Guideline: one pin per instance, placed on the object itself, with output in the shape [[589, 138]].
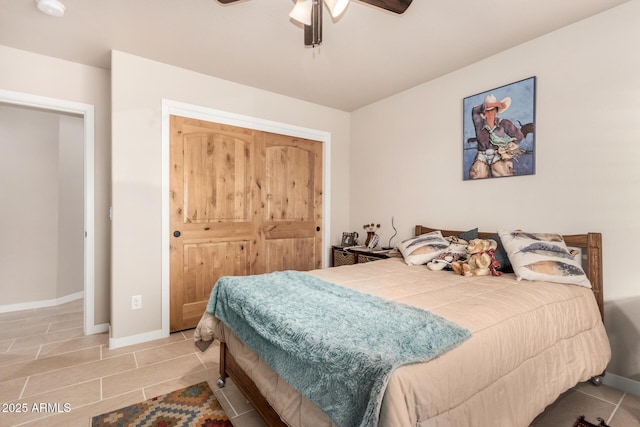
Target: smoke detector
[[51, 7]]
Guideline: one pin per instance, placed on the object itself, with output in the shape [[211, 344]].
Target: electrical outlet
[[136, 302]]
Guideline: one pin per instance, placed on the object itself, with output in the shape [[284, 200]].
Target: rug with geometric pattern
[[195, 405]]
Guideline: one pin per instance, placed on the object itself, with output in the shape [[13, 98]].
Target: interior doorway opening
[[85, 113]]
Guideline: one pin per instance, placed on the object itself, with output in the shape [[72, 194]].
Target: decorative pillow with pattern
[[456, 251], [544, 257], [501, 255], [422, 249]]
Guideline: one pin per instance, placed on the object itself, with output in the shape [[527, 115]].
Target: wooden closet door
[[292, 203], [213, 227], [242, 202]]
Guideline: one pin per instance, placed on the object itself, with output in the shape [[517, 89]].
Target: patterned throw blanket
[[335, 345]]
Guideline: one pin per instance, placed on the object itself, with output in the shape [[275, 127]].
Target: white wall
[[138, 88], [587, 156], [40, 75]]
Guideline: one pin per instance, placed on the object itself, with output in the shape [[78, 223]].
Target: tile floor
[[46, 363]]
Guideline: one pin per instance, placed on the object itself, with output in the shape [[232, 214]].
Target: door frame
[[170, 107], [88, 114]]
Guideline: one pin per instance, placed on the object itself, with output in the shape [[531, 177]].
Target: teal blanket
[[335, 345]]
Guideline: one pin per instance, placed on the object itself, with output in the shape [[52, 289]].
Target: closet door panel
[[213, 227]]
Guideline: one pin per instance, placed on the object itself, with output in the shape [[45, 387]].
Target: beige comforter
[[531, 341]]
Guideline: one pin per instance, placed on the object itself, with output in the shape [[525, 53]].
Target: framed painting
[[499, 131]]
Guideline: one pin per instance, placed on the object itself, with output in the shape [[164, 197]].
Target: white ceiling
[[366, 55]]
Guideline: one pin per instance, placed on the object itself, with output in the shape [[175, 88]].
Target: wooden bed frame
[[229, 368]]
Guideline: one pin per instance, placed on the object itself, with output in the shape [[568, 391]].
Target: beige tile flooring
[[46, 363]]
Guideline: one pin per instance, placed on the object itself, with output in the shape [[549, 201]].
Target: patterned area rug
[[195, 405]]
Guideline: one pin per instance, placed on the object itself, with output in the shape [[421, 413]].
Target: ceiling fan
[[309, 13]]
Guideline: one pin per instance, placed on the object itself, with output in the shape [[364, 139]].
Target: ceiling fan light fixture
[[336, 7], [309, 13], [51, 7], [301, 12]]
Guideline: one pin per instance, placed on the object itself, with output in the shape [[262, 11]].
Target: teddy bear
[[481, 260]]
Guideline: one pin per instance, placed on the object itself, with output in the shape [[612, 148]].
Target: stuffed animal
[[456, 252], [481, 260]]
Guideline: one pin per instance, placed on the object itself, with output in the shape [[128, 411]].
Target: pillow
[[469, 235], [456, 251], [422, 249], [544, 257], [501, 256]]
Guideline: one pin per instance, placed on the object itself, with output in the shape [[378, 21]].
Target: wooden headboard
[[590, 243]]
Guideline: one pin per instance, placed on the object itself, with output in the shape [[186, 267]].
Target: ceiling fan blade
[[395, 6]]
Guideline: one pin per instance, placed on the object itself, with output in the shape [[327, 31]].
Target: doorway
[[86, 113]]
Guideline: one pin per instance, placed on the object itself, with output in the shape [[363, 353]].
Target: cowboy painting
[[499, 146]]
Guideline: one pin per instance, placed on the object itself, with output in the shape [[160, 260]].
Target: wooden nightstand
[[344, 255]]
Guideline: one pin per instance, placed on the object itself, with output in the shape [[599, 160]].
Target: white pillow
[[422, 249], [544, 257]]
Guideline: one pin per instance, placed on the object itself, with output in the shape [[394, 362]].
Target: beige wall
[[42, 168], [70, 278], [139, 85], [587, 156], [45, 76], [29, 194]]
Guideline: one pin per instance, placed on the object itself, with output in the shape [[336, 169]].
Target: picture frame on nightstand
[[349, 238]]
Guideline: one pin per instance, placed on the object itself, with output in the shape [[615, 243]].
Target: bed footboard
[[229, 368]]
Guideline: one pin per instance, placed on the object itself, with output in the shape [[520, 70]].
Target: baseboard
[[622, 383], [135, 339], [41, 304], [98, 329]]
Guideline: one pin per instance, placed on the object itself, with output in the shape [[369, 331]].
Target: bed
[[529, 342]]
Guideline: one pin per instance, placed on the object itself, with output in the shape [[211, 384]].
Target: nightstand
[[345, 255], [365, 255]]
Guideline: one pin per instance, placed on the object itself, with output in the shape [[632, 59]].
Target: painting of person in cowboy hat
[[497, 139]]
